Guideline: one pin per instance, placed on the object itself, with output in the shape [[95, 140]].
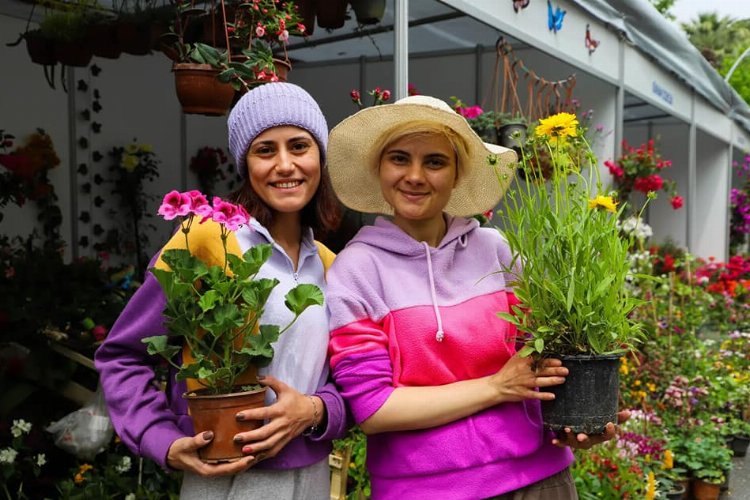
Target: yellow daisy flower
[[606, 202], [557, 127]]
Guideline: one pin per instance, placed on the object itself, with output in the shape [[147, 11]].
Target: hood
[[386, 235]]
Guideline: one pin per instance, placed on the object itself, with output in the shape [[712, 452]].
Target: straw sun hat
[[353, 150]]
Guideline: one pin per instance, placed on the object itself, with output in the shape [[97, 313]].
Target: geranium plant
[[243, 50], [570, 259], [641, 169], [216, 310]]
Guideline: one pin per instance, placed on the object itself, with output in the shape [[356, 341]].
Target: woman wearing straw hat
[[428, 369]]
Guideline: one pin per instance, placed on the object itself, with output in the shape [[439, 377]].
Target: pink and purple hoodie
[[406, 314]]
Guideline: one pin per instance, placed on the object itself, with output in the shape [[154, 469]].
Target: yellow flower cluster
[[668, 460], [558, 127], [131, 156], [605, 202], [78, 478], [651, 487]]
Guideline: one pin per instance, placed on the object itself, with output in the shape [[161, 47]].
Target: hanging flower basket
[[39, 48], [199, 91]]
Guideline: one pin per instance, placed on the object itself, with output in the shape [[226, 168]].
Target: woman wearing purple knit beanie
[[278, 138]]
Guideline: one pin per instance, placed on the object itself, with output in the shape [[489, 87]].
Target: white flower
[[20, 427], [123, 466], [8, 456], [41, 460]]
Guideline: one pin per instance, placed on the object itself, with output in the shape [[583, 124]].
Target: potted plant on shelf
[[244, 56], [212, 315], [569, 270]]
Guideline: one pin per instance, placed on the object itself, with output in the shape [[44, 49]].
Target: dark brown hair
[[322, 213]]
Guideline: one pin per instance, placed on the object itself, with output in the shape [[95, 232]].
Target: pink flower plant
[[214, 306]]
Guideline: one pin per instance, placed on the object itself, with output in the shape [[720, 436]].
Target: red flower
[[677, 202]]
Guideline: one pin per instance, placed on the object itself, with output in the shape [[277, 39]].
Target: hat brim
[[352, 147]]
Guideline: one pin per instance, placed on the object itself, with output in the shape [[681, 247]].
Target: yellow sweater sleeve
[[326, 255], [205, 243]]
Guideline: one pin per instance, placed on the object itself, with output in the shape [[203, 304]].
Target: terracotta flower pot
[[216, 413], [705, 491], [588, 398], [199, 91]]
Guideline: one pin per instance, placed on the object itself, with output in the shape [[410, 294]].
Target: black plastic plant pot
[[739, 445], [676, 493], [511, 135], [588, 398]]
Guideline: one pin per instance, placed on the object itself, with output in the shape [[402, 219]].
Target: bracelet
[[314, 427]]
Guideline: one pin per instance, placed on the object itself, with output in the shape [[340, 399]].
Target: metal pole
[[736, 63], [401, 48]]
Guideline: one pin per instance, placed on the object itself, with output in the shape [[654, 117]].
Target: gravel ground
[[739, 480]]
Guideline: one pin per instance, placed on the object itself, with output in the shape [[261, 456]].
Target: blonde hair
[[421, 127]]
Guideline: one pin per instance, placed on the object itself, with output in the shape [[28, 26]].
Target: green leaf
[[208, 300], [159, 345], [539, 345], [303, 296], [526, 351]]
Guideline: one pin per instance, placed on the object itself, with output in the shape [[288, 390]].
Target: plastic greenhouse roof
[[669, 47]]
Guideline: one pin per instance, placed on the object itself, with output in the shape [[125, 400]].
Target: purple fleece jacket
[[149, 420]]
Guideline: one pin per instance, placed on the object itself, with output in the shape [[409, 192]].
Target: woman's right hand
[[517, 380], [183, 455]]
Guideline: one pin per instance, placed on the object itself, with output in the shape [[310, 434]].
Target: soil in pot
[[588, 398], [217, 413], [739, 445]]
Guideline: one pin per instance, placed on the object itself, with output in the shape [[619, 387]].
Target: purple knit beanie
[[271, 105]]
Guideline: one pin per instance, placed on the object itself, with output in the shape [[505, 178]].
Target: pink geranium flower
[[174, 204]]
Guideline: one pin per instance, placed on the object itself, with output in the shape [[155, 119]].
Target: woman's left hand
[[584, 441], [287, 418]]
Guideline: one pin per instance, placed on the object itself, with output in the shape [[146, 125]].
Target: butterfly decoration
[[591, 44], [554, 17], [520, 4]]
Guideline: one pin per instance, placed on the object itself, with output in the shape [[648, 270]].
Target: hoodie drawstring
[[439, 335]]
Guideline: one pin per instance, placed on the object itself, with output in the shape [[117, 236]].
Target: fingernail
[[208, 435], [261, 377], [239, 417], [237, 439], [247, 449]]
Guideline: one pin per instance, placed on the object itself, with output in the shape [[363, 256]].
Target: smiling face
[[284, 168], [417, 175]]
